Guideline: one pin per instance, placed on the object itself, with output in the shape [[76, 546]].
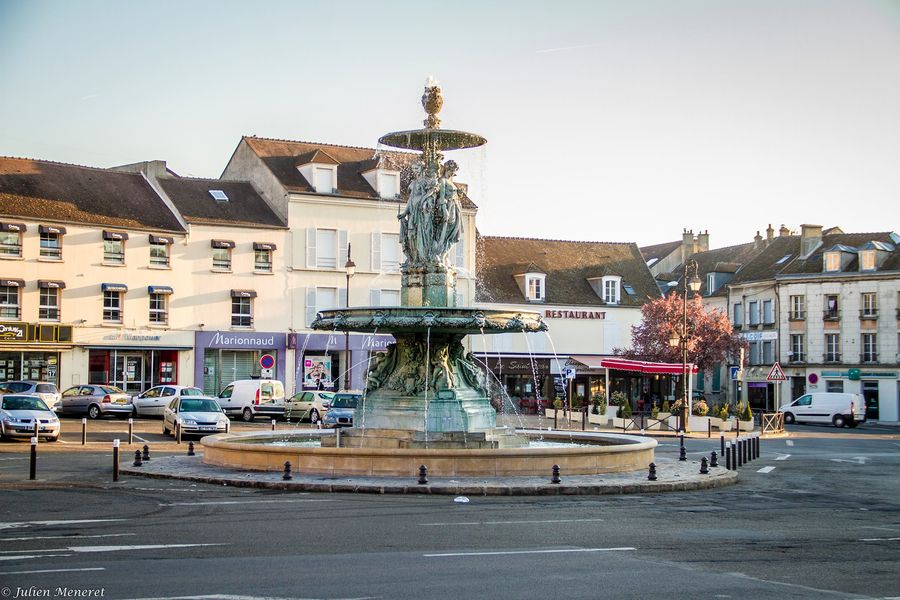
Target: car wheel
[[93, 411], [839, 421], [247, 415], [53, 439], [788, 419], [313, 416], [165, 427]]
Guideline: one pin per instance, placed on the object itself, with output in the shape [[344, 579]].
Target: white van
[[839, 409], [251, 397]]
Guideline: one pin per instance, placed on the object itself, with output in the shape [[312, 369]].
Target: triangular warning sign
[[776, 374]]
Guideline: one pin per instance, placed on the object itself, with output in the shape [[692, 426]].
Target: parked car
[[47, 391], [343, 406], [155, 400], [309, 405], [96, 401], [248, 398], [18, 414], [195, 415], [839, 409]]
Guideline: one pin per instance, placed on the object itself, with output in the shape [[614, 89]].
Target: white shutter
[[342, 298], [374, 297], [310, 305], [311, 248], [343, 240], [460, 255], [376, 251]]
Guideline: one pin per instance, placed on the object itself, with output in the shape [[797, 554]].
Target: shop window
[[48, 309], [10, 308], [112, 306], [832, 385]]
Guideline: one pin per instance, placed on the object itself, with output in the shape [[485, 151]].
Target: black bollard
[[747, 449], [146, 456], [287, 471], [728, 457], [83, 431], [191, 449], [756, 441], [740, 451], [555, 413], [177, 433], [115, 460], [273, 424], [721, 442], [32, 470], [554, 478], [682, 453], [708, 428], [704, 466], [734, 463], [130, 431], [137, 459], [423, 475], [652, 475], [713, 459]]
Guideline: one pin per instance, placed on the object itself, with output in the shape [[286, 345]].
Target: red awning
[[641, 366]]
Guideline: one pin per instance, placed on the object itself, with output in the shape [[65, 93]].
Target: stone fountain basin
[[406, 319], [607, 453]]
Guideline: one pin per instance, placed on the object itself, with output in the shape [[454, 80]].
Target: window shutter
[[310, 247], [375, 297], [460, 255], [376, 251], [342, 297], [310, 303], [342, 248]]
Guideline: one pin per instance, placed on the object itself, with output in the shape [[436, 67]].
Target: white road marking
[[858, 460], [789, 442], [52, 571], [84, 549], [17, 458], [766, 470], [514, 522], [507, 552], [16, 525], [782, 457], [880, 539], [228, 502], [28, 556], [65, 537]]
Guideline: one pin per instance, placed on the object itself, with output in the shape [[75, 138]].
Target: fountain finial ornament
[[432, 101]]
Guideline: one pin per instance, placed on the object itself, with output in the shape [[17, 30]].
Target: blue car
[[340, 413]]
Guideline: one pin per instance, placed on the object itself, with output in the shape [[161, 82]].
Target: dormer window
[[535, 287], [612, 289], [832, 262], [388, 185], [867, 260], [325, 179]]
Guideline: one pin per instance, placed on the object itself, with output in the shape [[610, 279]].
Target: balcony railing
[[868, 313], [799, 315], [831, 315]]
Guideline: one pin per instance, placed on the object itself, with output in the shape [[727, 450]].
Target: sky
[[619, 121]]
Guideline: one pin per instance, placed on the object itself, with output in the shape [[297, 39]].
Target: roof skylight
[[783, 259], [218, 195]]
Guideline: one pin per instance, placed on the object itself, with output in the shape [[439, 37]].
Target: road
[[816, 517]]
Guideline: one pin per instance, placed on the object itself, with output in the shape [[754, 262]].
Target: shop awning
[[12, 282], [159, 289], [591, 362], [263, 246], [243, 293], [168, 240], [114, 235], [20, 227], [221, 244], [641, 366], [47, 283], [113, 287], [57, 229]]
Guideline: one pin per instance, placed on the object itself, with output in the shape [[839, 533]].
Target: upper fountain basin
[[439, 139], [402, 319]]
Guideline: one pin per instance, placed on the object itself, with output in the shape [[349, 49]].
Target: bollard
[[757, 439], [681, 442], [746, 449], [682, 453], [137, 459], [83, 431], [738, 432], [555, 414], [740, 451], [32, 471], [287, 471], [713, 459], [273, 424], [423, 474], [146, 453], [554, 474], [37, 428], [708, 428], [704, 466], [728, 456], [734, 463], [191, 449], [721, 442], [652, 475], [642, 431], [584, 418], [337, 437], [115, 460], [177, 432], [130, 431]]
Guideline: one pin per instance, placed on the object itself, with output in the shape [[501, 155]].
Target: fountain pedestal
[[428, 287]]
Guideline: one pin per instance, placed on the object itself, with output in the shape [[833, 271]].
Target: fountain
[[426, 399]]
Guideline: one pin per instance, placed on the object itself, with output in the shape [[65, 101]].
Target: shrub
[[654, 411], [665, 407], [723, 412], [599, 402], [625, 410], [746, 413], [700, 408], [558, 404], [618, 399]]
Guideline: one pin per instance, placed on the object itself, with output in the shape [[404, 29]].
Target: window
[[754, 353], [9, 298], [159, 308], [798, 350], [114, 247], [242, 308], [221, 254], [768, 352], [325, 298], [768, 312], [867, 260], [51, 242], [535, 287], [112, 306], [832, 313], [869, 305], [219, 196], [869, 348], [159, 250], [753, 313], [326, 249], [262, 257], [738, 318], [798, 308], [48, 308], [323, 180], [389, 185], [832, 347], [11, 239], [832, 385], [832, 262], [611, 293]]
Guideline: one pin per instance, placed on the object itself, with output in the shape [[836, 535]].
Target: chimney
[[757, 240], [703, 241], [687, 244], [783, 231], [810, 239], [770, 234]]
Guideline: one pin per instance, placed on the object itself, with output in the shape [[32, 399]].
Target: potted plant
[[745, 416]]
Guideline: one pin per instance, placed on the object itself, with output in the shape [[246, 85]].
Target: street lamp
[[349, 269], [693, 284]]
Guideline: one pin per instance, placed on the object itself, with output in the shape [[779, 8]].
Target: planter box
[[726, 425], [746, 426], [602, 420]]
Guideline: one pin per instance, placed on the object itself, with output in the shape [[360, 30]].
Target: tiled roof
[[568, 266], [282, 157], [43, 190], [244, 208], [814, 263], [660, 251], [731, 259]]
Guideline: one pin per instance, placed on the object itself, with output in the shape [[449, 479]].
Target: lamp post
[[693, 284], [349, 269]]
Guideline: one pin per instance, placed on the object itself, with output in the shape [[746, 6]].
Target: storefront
[[643, 383], [525, 382], [33, 350], [226, 356], [137, 361], [321, 359]]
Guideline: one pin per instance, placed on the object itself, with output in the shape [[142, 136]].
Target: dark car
[[340, 413]]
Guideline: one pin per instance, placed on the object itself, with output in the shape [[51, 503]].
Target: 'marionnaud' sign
[[573, 314], [240, 340]]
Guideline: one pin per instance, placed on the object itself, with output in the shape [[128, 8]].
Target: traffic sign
[[735, 373], [570, 372], [776, 374], [266, 361]]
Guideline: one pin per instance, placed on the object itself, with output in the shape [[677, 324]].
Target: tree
[[711, 338]]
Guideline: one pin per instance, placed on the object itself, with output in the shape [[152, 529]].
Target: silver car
[[20, 412], [96, 401], [155, 400], [45, 390], [195, 415]]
